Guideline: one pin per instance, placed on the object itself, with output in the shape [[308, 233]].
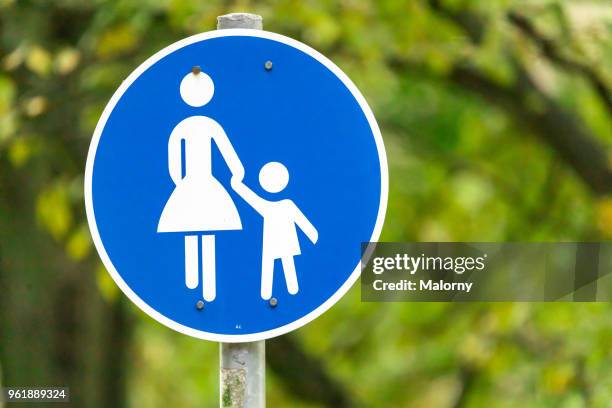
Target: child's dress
[[279, 233]]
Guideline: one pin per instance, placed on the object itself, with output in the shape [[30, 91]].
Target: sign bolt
[[273, 302], [200, 305], [268, 65], [196, 70]]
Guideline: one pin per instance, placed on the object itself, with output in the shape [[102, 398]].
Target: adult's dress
[[199, 203]]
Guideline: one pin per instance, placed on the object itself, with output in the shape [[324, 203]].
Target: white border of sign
[[91, 219]]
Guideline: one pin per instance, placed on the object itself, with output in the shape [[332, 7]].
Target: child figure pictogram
[[280, 218]]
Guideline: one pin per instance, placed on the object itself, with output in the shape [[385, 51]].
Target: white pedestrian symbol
[[280, 240], [200, 204]]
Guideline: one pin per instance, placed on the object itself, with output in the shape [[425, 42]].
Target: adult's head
[[197, 88]]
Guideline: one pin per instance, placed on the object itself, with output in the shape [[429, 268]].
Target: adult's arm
[[227, 151], [255, 201]]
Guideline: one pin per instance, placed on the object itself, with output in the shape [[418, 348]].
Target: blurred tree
[[56, 330]]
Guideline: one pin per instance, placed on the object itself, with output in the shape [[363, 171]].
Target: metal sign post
[[242, 374]]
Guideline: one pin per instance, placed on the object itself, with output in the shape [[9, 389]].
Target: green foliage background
[[497, 119]]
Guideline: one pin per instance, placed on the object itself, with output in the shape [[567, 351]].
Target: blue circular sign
[[230, 183]]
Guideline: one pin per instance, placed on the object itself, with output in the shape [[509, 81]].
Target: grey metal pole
[[243, 365], [243, 375], [240, 20]]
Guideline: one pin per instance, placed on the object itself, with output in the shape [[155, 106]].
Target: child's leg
[[267, 276], [290, 275], [208, 268], [191, 261]]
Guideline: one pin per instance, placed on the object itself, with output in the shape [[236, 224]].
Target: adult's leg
[[209, 283], [191, 261], [267, 276], [290, 275]]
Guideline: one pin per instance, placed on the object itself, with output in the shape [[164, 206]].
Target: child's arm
[[255, 201], [305, 225]]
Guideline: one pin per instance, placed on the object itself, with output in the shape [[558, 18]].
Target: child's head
[[273, 177]]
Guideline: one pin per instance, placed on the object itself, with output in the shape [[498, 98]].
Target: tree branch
[[468, 377], [471, 23], [559, 128], [304, 376], [549, 49]]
